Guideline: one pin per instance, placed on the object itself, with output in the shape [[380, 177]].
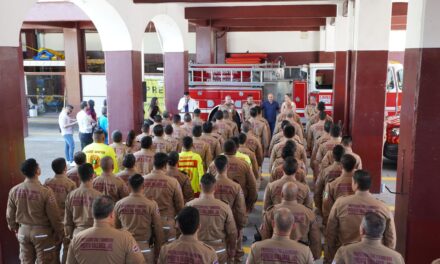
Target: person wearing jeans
[[66, 127], [85, 125]]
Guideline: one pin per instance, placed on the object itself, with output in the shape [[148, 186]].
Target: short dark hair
[[173, 158], [102, 207], [129, 161], [58, 165], [157, 118], [246, 126], [107, 164], [218, 115], [335, 131], [207, 127], [242, 138], [187, 117], [169, 129], [289, 149], [69, 106], [249, 96], [253, 111], [186, 93], [207, 181], [160, 160], [29, 168], [236, 141], [85, 172], [136, 181], [322, 115], [259, 109], [327, 126], [79, 158], [176, 119], [363, 180], [220, 163], [346, 140], [104, 110], [373, 224], [321, 106], [197, 112], [117, 136], [290, 166], [289, 131], [187, 142], [197, 131], [229, 147], [83, 105], [189, 220], [284, 123], [225, 113], [338, 151], [146, 142], [165, 114], [145, 127], [158, 130], [348, 162]]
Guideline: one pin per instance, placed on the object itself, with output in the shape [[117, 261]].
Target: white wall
[[397, 40], [53, 41], [283, 41]]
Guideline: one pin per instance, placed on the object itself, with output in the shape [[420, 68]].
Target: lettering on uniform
[[81, 201], [101, 186], [362, 257], [333, 174], [153, 183], [279, 255], [233, 168], [56, 188], [300, 218], [208, 210], [344, 188], [133, 209], [182, 257], [96, 243], [360, 209], [27, 194], [144, 159], [224, 189]]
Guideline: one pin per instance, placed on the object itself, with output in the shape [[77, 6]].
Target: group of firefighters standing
[[181, 192]]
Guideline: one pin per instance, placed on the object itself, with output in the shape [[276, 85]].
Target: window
[[400, 79], [324, 79], [390, 80]]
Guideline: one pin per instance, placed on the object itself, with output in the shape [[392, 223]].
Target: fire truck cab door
[[321, 83]]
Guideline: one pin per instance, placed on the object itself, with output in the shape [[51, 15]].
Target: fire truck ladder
[[234, 75]]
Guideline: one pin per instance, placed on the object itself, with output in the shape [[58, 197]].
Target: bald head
[[283, 220], [289, 191], [107, 164]]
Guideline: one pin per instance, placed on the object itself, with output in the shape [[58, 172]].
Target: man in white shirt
[[66, 127], [187, 104], [85, 124]]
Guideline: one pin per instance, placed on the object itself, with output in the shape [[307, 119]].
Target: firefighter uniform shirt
[[279, 249], [104, 244], [367, 251], [187, 249]]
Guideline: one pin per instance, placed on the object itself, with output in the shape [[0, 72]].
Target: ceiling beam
[[283, 11], [270, 29], [275, 22], [202, 1]]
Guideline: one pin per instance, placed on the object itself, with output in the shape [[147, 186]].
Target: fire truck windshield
[[400, 79]]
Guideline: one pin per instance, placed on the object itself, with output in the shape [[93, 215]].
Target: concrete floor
[[45, 143]]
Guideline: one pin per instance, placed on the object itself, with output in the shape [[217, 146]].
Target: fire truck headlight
[[395, 131]]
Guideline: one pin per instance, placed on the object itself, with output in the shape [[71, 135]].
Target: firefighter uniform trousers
[[148, 252], [220, 248], [37, 243]]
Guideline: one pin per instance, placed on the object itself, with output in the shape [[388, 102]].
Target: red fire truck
[[210, 83]]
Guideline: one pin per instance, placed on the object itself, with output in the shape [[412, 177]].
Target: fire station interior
[[349, 54]]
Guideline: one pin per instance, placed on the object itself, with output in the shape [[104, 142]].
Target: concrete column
[[12, 152], [368, 78], [175, 77], [205, 45], [124, 90], [74, 50], [417, 209], [341, 73], [221, 47]]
